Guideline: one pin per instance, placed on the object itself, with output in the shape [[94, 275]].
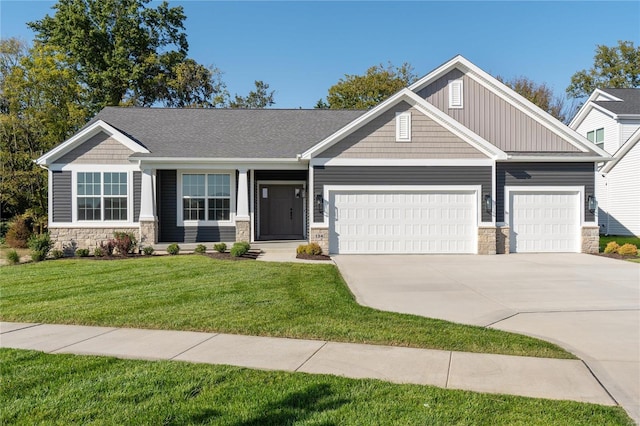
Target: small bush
[[107, 247], [98, 252], [173, 249], [39, 245], [124, 242], [313, 249], [302, 249], [13, 257], [18, 234], [148, 250], [57, 254], [200, 249], [4, 227], [612, 247], [628, 250], [239, 249], [220, 247], [82, 252]]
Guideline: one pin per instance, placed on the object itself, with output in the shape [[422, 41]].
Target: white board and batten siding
[[544, 220], [374, 221]]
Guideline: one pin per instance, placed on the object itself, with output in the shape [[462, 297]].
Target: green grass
[[38, 388], [255, 298], [605, 239]]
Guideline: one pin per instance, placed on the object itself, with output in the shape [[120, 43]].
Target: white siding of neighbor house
[[596, 119], [627, 127], [619, 199], [99, 149]]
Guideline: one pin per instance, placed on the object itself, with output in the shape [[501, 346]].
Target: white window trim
[[399, 117], [101, 223], [232, 201], [451, 87]]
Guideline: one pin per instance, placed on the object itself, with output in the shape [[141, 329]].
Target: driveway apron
[[590, 305]]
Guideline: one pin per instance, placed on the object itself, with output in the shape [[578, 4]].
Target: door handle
[[291, 213]]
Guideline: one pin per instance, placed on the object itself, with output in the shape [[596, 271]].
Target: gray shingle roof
[[225, 133], [630, 101]]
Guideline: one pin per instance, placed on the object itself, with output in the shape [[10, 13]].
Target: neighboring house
[[611, 119], [456, 163]]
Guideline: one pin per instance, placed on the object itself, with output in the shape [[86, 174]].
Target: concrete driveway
[[587, 304]]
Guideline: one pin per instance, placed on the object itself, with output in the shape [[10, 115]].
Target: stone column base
[[502, 240], [148, 232], [320, 236], [487, 240], [590, 239], [243, 230]]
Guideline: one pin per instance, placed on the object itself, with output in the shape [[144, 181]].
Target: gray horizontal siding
[[543, 174], [61, 197], [281, 175], [381, 175], [167, 216], [137, 188]]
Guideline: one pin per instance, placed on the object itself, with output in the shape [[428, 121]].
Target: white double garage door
[[445, 220]]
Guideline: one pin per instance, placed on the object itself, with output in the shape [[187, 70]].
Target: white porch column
[[242, 212], [147, 196], [148, 220], [243, 220]]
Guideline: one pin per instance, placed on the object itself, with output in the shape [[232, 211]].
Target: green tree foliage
[[123, 51], [368, 90], [258, 98], [540, 94], [613, 67], [192, 85], [41, 104]]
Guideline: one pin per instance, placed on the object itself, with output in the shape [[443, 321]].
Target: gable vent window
[[403, 127], [455, 94]]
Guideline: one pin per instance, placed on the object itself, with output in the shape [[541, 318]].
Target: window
[[403, 127], [455, 94], [102, 196], [206, 197], [596, 136]]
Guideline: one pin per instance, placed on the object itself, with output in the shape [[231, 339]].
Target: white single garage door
[[402, 222], [543, 221]]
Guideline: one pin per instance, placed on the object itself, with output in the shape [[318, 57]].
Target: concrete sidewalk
[[526, 376]]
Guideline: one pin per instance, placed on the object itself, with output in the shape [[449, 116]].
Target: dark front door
[[281, 212]]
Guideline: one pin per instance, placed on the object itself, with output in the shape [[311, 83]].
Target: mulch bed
[[616, 256], [250, 255], [312, 256]]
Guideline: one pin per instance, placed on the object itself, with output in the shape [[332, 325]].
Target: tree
[[42, 105], [539, 94], [613, 67], [368, 90], [193, 85], [258, 98], [122, 50]]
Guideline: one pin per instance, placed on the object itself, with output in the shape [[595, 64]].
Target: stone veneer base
[[243, 230], [590, 239], [320, 236], [487, 240], [502, 240], [71, 239]]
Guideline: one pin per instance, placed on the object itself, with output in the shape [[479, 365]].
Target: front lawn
[[38, 388], [255, 298], [605, 239]]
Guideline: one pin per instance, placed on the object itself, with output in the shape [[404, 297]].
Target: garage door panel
[[544, 221], [403, 222]]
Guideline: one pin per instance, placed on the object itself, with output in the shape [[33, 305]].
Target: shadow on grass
[[297, 406]]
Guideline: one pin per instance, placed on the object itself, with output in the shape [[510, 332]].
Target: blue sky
[[303, 48]]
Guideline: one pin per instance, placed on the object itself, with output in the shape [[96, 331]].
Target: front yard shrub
[[82, 252], [628, 250], [18, 234], [13, 257], [39, 245], [4, 227], [612, 247], [240, 248], [148, 250], [200, 249], [57, 254], [124, 242], [98, 252], [107, 247], [314, 249], [220, 247], [302, 249], [173, 249]]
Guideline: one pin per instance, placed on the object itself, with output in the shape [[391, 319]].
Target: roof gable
[[87, 134], [616, 103], [511, 98], [413, 100], [622, 151]]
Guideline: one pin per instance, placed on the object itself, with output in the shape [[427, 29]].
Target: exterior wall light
[[592, 203], [320, 203], [488, 204]]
